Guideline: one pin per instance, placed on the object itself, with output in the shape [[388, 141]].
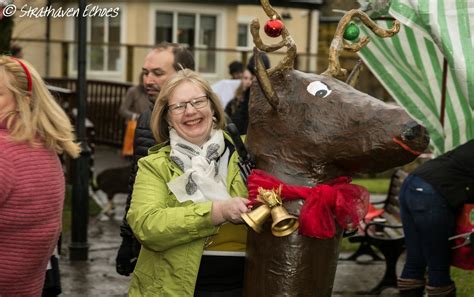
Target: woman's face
[[7, 99], [191, 123]]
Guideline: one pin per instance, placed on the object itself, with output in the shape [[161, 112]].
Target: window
[[186, 23], [164, 26], [242, 35], [244, 38], [102, 57], [194, 30], [207, 38]]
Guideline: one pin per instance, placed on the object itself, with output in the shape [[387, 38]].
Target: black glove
[[127, 256]]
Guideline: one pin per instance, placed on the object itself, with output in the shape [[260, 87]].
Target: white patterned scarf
[[205, 168]]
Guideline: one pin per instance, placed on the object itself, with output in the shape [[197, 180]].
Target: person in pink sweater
[[33, 131]]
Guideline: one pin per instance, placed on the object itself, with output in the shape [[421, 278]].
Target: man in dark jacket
[[161, 63]]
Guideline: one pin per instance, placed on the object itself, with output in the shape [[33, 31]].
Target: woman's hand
[[229, 210]]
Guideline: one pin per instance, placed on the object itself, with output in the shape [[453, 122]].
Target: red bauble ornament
[[273, 28]]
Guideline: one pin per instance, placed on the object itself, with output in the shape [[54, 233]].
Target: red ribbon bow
[[325, 204]]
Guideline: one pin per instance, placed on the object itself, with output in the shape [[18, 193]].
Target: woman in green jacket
[[188, 199]]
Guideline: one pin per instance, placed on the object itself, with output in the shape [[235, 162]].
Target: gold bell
[[283, 223], [257, 217]]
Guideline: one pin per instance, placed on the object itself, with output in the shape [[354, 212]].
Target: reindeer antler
[[264, 81], [286, 63], [334, 67]]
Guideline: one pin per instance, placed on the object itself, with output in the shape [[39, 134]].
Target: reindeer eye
[[318, 89]]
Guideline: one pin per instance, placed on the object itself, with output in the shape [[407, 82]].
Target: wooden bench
[[385, 233]]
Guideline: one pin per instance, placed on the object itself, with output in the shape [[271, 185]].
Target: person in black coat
[[430, 199], [161, 63], [241, 116]]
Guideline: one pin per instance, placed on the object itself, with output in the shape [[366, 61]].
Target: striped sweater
[[31, 202]]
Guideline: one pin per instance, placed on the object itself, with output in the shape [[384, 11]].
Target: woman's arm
[[229, 211], [159, 226]]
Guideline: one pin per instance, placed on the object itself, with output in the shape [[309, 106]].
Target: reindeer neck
[[286, 172]]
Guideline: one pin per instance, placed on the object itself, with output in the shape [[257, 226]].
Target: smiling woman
[[191, 121], [185, 191]]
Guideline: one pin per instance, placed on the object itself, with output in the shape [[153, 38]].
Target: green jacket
[[172, 234]]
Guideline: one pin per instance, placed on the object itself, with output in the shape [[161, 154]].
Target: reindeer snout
[[414, 131]]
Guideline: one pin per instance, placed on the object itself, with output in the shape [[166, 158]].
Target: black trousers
[[231, 293], [220, 276]]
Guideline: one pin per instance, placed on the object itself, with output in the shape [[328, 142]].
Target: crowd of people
[[182, 233]]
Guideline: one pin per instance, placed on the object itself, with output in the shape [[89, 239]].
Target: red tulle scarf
[[328, 203]]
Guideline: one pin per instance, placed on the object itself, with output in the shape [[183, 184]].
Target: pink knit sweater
[[31, 202]]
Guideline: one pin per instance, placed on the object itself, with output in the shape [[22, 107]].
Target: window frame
[[111, 75], [245, 20], [175, 9]]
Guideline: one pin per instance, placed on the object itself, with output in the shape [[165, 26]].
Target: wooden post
[[443, 92], [129, 70], [64, 58], [244, 58]]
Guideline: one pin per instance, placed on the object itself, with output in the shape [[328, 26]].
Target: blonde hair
[[38, 120], [159, 123]]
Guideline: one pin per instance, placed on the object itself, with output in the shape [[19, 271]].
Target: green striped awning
[[410, 65]]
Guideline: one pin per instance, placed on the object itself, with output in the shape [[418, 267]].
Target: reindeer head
[[305, 128]]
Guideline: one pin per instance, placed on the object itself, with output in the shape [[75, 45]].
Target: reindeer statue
[[306, 129]]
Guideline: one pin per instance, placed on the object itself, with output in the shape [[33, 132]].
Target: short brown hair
[[183, 58], [159, 124]]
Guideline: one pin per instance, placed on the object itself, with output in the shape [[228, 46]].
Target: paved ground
[[97, 276]]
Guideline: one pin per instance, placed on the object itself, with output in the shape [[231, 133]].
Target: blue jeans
[[428, 222]]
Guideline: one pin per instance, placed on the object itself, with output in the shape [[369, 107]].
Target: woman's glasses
[[198, 103]]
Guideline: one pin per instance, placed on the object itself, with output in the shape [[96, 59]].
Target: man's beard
[[152, 97]]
